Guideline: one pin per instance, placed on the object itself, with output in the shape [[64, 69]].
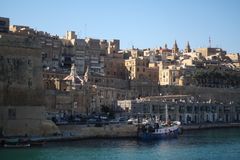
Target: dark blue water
[[216, 144]]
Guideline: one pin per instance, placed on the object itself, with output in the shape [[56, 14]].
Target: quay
[[209, 126], [105, 131], [75, 132], [78, 132], [114, 131]]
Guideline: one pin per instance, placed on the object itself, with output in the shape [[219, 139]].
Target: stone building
[[107, 81], [165, 50], [4, 24], [51, 50], [50, 46], [144, 88], [20, 70], [70, 94], [235, 58], [87, 52], [143, 76], [174, 75], [85, 95], [110, 74], [94, 56], [175, 48], [21, 99], [169, 76], [187, 48], [52, 79], [108, 97], [138, 68], [113, 46], [182, 108], [114, 66], [22, 30], [210, 51], [135, 53]]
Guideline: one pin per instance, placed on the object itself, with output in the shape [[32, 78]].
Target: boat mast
[[166, 110]]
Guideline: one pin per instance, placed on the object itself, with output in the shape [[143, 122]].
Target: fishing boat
[[37, 141], [16, 143], [158, 130], [148, 132]]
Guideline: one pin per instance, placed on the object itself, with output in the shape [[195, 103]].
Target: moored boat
[[149, 132], [16, 143], [22, 142], [157, 130], [37, 141]]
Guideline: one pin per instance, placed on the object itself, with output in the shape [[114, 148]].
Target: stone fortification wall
[[25, 120], [106, 131], [21, 88], [205, 93], [20, 71]]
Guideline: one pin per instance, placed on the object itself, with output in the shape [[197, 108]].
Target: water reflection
[[206, 144]]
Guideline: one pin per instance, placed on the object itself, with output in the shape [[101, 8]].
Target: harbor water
[[219, 144]]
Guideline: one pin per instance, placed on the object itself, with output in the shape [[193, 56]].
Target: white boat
[[150, 131], [16, 145]]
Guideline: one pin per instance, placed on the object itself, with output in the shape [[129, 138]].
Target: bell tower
[[175, 48], [188, 48]]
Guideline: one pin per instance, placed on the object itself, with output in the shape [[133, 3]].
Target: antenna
[[79, 33], [166, 110], [209, 42], [85, 30]]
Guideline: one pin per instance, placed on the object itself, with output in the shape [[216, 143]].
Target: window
[[29, 83], [12, 113], [9, 81], [29, 62], [174, 79]]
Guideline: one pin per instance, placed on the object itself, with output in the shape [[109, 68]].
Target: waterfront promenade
[[76, 132], [217, 144], [117, 131], [210, 125]]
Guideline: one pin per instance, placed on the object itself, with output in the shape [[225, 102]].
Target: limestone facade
[[210, 51], [21, 99], [182, 108], [113, 74], [4, 24]]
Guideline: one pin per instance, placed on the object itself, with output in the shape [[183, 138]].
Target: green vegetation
[[216, 78]]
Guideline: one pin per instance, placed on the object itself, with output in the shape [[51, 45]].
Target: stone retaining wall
[[208, 126], [106, 131]]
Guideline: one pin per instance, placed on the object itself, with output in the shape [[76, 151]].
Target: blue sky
[[142, 23]]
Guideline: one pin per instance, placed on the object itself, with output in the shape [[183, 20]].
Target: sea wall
[[77, 132], [25, 120], [209, 126], [106, 131]]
